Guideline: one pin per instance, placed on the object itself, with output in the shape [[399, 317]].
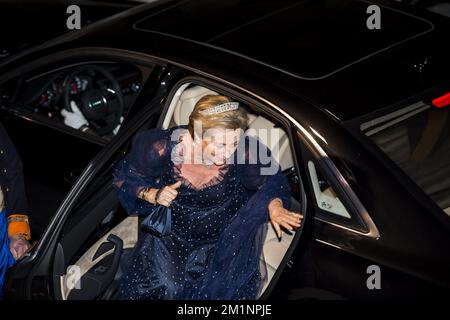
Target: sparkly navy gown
[[214, 249]]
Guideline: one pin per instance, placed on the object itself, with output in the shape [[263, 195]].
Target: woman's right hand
[[165, 197]]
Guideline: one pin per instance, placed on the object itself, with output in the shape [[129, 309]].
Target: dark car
[[359, 123]]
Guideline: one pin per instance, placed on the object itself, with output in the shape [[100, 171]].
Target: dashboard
[[92, 98]]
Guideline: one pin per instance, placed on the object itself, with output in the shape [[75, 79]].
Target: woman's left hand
[[279, 216]]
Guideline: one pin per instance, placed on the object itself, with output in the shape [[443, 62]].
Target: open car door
[[98, 233]]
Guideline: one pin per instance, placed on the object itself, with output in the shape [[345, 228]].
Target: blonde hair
[[232, 119]]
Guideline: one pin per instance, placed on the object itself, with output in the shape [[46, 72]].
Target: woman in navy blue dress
[[221, 192]]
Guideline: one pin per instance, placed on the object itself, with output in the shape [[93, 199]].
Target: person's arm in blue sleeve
[[141, 168], [259, 171]]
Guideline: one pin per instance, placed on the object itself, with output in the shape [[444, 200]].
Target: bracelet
[[142, 192]]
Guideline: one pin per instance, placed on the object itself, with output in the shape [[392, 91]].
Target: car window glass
[[88, 99], [417, 139], [326, 197]]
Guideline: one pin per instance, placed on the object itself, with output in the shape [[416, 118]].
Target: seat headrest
[[186, 103], [275, 139]]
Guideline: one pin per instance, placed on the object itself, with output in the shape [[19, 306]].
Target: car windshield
[[417, 139]]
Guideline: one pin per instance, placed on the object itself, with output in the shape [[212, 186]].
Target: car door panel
[[95, 259]]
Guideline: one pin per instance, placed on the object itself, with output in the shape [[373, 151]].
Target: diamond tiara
[[227, 106]]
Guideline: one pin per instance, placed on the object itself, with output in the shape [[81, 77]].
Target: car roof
[[307, 39], [320, 51], [324, 48]]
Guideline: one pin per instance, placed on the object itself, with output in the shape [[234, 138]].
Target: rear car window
[[417, 139]]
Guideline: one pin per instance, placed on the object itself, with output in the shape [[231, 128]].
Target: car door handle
[[117, 254]]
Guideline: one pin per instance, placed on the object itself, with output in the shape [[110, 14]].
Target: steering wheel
[[101, 105]]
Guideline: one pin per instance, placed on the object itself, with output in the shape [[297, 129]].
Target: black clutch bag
[[158, 222]]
